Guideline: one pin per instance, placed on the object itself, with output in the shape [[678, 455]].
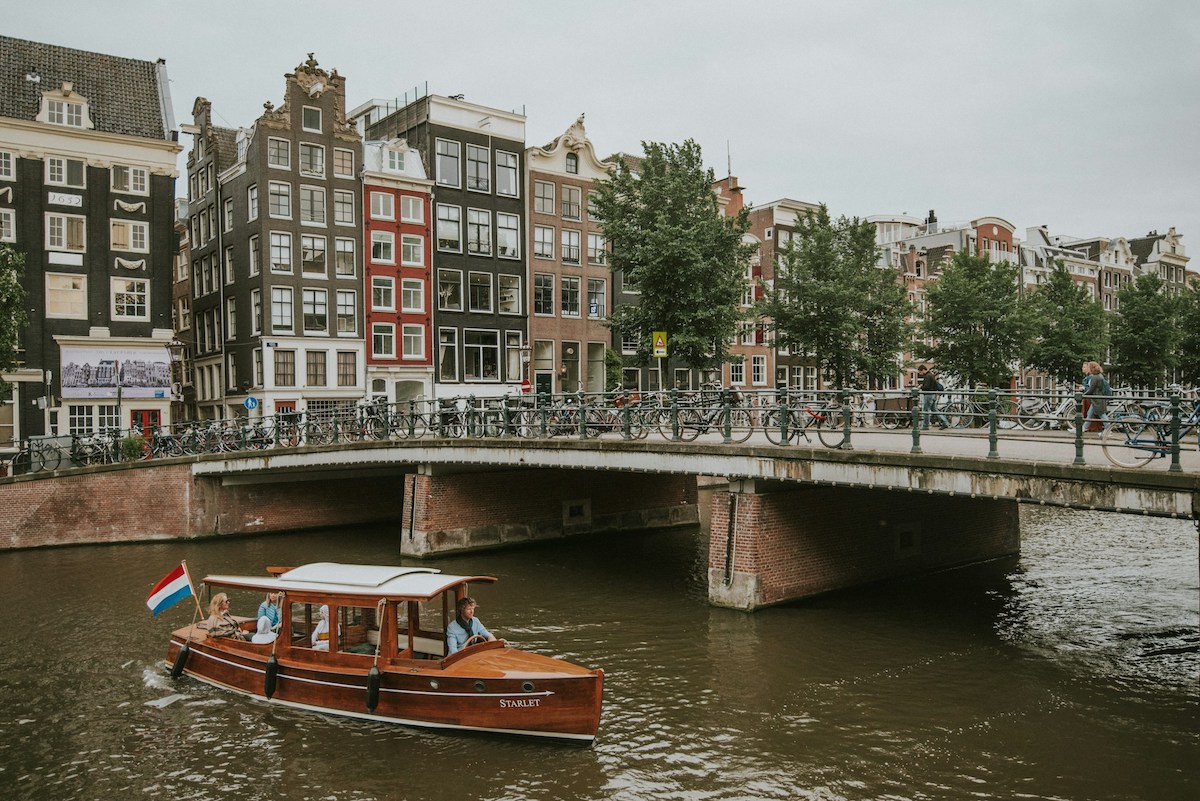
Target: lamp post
[[175, 350]]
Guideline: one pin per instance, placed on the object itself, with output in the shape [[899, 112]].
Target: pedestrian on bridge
[[930, 387]]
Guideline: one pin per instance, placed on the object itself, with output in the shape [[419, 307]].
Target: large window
[[383, 247], [508, 235], [132, 180], [447, 354], [280, 202], [62, 171], [570, 296], [66, 296], [597, 253], [312, 160], [480, 292], [383, 340], [8, 225], [506, 173], [412, 210], [448, 172], [343, 207], [449, 228], [383, 292], [231, 318], [347, 368], [543, 242], [412, 250], [597, 297], [312, 205], [256, 313], [347, 320], [478, 168], [255, 256], [281, 309], [252, 203], [285, 368], [281, 252], [383, 206], [543, 197], [279, 153], [571, 198], [449, 290], [66, 232], [412, 295], [310, 119], [543, 293], [129, 236], [414, 341], [343, 163], [510, 294], [314, 361], [130, 299], [481, 355], [344, 265], [8, 170], [479, 232], [570, 247], [312, 254], [316, 315], [64, 112]]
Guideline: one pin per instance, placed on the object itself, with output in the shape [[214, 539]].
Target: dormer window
[[395, 161], [65, 107], [572, 164]]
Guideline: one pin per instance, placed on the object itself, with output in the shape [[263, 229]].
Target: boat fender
[[270, 676], [181, 659], [373, 688]]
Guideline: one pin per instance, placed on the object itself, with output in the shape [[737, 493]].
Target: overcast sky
[[1083, 116]]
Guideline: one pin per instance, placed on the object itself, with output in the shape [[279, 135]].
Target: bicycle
[[1035, 414], [972, 410], [783, 428], [1132, 440], [37, 455], [711, 416]]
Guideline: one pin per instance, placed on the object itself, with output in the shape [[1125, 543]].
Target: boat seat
[[430, 646]]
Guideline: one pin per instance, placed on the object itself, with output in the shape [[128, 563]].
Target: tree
[[1144, 334], [674, 246], [977, 320], [1069, 327], [13, 317], [1189, 330], [830, 299]]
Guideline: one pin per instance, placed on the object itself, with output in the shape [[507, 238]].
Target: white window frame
[[479, 232], [508, 294], [339, 154], [252, 203], [314, 242], [80, 294], [510, 223], [386, 241], [458, 225], [319, 299], [8, 166], [8, 225], [339, 247], [412, 341], [137, 179], [485, 182], [339, 304], [412, 295], [63, 243], [383, 287], [543, 241], [115, 289], [279, 193], [443, 177], [412, 250], [312, 149], [283, 298], [304, 113], [137, 234], [491, 293], [383, 206], [343, 199], [516, 173], [388, 332], [272, 162], [407, 204], [58, 172], [313, 194], [282, 238]]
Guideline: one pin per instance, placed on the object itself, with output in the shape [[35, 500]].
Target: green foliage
[[132, 447], [673, 245], [13, 316], [829, 299], [978, 320], [1145, 334], [612, 370], [1069, 327], [1189, 330]]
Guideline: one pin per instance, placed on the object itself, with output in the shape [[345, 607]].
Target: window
[[570, 296], [312, 254], [479, 232], [510, 294], [508, 235], [383, 292], [449, 290], [66, 296], [571, 197], [412, 295], [572, 164], [133, 180], [449, 228], [543, 242], [570, 247], [383, 340], [597, 297], [312, 205], [66, 232], [280, 200], [347, 318], [130, 299], [543, 293], [480, 292], [447, 163], [281, 252], [478, 168], [506, 174], [256, 314], [8, 170], [64, 112], [231, 318], [310, 119], [383, 245], [343, 162], [343, 207], [281, 309], [383, 206], [315, 373], [597, 254], [279, 153], [347, 368], [62, 171], [447, 354], [227, 215], [412, 210], [129, 236], [592, 212], [412, 250], [758, 370], [255, 256], [316, 318], [252, 203], [229, 265], [312, 160], [80, 419], [8, 225], [413, 341], [481, 355], [344, 264], [285, 368], [543, 197], [737, 373], [395, 161]]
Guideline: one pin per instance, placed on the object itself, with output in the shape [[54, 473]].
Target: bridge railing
[[1020, 423]]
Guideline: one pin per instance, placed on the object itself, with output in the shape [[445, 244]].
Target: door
[[145, 420]]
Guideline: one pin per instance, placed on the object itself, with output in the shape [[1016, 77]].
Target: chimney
[[931, 223]]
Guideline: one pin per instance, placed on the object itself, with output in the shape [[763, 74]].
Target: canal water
[[1069, 673]]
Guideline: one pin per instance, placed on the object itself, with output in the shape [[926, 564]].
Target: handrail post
[[1175, 467], [727, 415], [469, 421], [675, 414], [915, 395], [412, 416], [544, 414], [992, 452], [626, 434], [504, 416], [1078, 429], [582, 416], [846, 421], [785, 414]]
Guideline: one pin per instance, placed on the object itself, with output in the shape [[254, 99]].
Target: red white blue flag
[[171, 590]]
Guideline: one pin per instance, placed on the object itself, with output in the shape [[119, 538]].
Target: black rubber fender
[[181, 659], [373, 677], [270, 676]]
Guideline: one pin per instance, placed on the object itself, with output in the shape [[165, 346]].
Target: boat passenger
[[320, 635], [264, 633], [220, 622], [270, 608], [464, 626]]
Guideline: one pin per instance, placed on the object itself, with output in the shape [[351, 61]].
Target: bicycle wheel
[[959, 414], [771, 422], [830, 424], [690, 423], [1130, 441], [1033, 417], [1006, 413], [51, 456], [741, 425], [22, 463]]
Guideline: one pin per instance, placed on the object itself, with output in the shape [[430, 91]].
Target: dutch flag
[[171, 590]]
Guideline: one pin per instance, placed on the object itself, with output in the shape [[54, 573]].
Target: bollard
[[1175, 467], [544, 414], [675, 414], [916, 420], [625, 415], [846, 421], [992, 452], [582, 415], [727, 416], [1078, 429]]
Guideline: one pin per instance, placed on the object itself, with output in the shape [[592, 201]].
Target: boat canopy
[[372, 581]]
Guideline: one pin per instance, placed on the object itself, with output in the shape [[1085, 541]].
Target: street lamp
[[175, 350]]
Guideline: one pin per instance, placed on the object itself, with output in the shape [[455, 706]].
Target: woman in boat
[[320, 634], [220, 622], [264, 634], [270, 609], [464, 626]]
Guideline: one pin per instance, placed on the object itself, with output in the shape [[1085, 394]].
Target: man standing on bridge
[[930, 386]]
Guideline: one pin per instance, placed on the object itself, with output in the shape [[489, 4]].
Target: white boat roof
[[373, 581]]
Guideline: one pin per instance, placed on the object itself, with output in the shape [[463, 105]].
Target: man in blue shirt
[[464, 626]]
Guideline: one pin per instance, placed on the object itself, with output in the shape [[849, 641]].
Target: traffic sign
[[250, 403], [660, 344], [526, 388]]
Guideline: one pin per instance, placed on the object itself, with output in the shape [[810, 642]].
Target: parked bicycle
[[788, 423], [37, 455], [714, 411], [1135, 440]]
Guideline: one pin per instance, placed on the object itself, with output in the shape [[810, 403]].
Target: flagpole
[[195, 597]]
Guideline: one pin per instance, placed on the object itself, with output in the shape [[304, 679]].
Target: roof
[[124, 94], [1142, 247], [372, 581], [226, 147]]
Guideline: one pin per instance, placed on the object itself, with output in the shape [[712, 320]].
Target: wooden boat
[[387, 661]]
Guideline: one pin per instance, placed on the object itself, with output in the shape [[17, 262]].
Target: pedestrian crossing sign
[[660, 344]]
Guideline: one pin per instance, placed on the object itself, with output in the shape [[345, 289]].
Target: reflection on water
[[1070, 673]]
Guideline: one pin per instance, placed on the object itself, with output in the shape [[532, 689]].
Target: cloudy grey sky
[[1083, 115]]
